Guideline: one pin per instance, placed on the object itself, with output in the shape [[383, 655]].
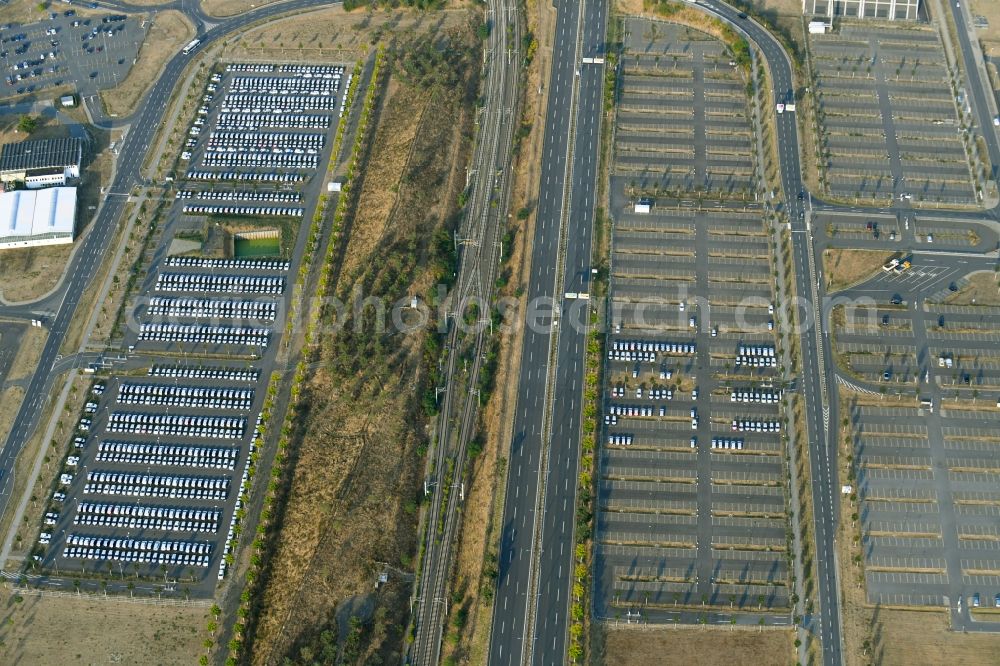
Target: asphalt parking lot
[[925, 437], [890, 125], [94, 52], [158, 471], [691, 498]]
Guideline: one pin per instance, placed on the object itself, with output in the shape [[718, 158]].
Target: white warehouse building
[[877, 9], [29, 218]]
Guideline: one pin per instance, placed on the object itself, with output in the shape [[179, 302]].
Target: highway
[[533, 589], [482, 228], [89, 256]]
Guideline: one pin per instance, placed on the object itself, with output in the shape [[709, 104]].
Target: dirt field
[[49, 630], [356, 483], [169, 32], [990, 37], [694, 646], [31, 272], [27, 357], [982, 289], [842, 268]]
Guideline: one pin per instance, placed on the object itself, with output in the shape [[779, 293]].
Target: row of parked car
[[249, 176], [223, 283], [133, 516], [265, 160], [139, 453], [747, 350], [183, 425], [761, 397], [155, 485], [756, 362], [135, 550], [755, 426], [244, 481], [620, 440], [268, 211], [160, 306], [265, 140], [285, 85], [252, 121], [727, 443], [203, 372], [210, 335], [235, 195], [278, 265], [185, 396]]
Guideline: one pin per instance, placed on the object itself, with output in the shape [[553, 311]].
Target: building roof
[[48, 153], [33, 213]]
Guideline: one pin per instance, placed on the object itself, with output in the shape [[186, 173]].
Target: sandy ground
[[843, 268], [695, 646], [49, 630], [169, 32], [27, 357], [982, 289]]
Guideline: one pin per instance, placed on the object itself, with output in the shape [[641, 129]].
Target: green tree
[[27, 124]]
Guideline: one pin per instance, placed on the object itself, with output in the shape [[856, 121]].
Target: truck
[[780, 107]]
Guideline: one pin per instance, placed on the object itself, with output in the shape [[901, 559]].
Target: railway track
[[478, 263]]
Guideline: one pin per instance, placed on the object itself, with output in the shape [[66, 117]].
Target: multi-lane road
[[533, 595]]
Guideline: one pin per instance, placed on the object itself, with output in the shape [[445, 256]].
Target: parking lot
[[927, 449], [159, 469], [93, 51], [691, 496], [889, 122]]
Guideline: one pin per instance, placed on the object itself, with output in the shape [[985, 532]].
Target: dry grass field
[[696, 646], [29, 273], [224, 8], [29, 11], [169, 32], [842, 268], [27, 357], [355, 487], [47, 128], [990, 37], [10, 402], [87, 630], [983, 289]]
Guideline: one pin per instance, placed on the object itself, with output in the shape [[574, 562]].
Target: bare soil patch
[[696, 645], [31, 272], [983, 289], [843, 268], [170, 31], [48, 630]]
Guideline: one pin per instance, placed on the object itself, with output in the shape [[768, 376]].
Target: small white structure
[[30, 218], [333, 186], [817, 28], [644, 206], [68, 101]]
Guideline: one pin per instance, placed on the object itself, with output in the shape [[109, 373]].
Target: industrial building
[[29, 218], [876, 9], [46, 163]]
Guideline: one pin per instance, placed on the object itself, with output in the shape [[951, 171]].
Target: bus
[[191, 46]]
